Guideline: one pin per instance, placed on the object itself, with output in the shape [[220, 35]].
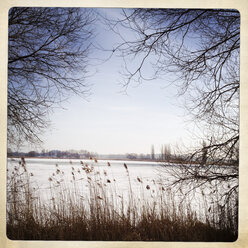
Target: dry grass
[[103, 214]]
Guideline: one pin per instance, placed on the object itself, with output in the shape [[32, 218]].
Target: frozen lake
[[42, 169], [144, 181], [71, 173]]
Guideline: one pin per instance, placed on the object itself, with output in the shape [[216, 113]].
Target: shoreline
[[171, 162], [105, 159]]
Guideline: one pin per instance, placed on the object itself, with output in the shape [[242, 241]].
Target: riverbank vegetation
[[105, 214]]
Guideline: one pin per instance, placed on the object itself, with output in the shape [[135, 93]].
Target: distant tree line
[[54, 154], [201, 156], [164, 155]]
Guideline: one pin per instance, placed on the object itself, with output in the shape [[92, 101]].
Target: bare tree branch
[[48, 57]]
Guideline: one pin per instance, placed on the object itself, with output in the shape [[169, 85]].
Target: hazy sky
[[114, 122]]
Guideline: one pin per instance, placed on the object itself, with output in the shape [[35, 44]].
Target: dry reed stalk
[[105, 215]]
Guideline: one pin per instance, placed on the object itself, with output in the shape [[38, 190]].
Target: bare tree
[[197, 50], [48, 57], [167, 152], [162, 153], [152, 152]]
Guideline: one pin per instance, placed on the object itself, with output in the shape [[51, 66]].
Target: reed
[[104, 214]]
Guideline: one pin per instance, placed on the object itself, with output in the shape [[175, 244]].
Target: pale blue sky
[[113, 122]]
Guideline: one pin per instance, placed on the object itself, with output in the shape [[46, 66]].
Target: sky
[[110, 121]]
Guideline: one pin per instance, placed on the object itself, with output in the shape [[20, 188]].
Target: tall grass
[[104, 214]]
